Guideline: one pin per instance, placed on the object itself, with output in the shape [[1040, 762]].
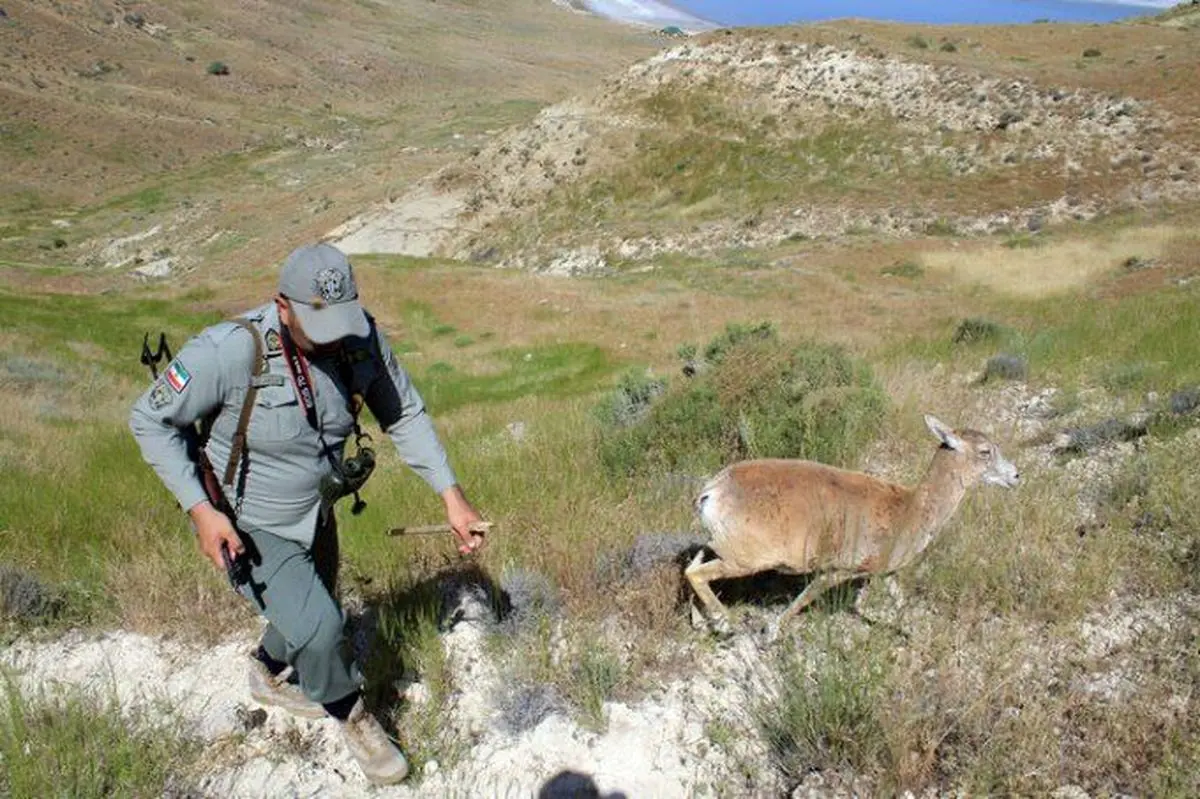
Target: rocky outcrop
[[499, 205]]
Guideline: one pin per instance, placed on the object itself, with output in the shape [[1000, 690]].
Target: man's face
[[292, 322]]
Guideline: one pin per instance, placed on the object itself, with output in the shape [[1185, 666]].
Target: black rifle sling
[[238, 447]]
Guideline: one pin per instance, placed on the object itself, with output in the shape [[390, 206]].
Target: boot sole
[[314, 712]]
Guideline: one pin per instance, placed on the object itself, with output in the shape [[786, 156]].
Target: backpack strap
[[238, 447]]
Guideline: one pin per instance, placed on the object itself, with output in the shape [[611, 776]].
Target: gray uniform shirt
[[286, 463]]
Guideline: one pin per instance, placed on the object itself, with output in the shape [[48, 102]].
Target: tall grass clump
[[408, 614], [75, 746], [826, 712], [751, 394]]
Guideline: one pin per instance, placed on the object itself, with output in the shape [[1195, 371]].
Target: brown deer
[[801, 517]]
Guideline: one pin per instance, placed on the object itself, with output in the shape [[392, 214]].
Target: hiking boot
[[381, 762], [268, 689]]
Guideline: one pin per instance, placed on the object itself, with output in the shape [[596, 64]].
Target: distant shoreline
[[658, 14], [643, 13]]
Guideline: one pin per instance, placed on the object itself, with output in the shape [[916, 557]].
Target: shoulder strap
[[239, 437]]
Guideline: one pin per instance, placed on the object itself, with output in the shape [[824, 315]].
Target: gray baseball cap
[[319, 281]]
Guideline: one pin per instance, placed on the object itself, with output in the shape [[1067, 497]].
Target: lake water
[[692, 14]]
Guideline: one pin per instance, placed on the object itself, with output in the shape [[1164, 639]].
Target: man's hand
[[214, 530], [464, 520]]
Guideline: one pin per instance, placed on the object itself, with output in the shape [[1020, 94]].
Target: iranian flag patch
[[177, 376]]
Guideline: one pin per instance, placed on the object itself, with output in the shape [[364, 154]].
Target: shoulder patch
[[274, 345], [160, 396], [177, 376]]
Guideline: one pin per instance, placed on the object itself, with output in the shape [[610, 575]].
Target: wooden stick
[[431, 529]]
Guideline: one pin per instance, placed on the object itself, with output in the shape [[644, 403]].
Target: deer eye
[[985, 452]]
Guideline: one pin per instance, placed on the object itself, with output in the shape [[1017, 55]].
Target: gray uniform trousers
[[295, 587]]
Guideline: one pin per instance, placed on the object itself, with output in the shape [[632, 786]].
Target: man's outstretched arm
[[398, 406]]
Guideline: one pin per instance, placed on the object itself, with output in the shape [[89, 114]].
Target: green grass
[[1131, 345], [407, 647], [695, 176], [89, 527], [555, 370], [827, 716], [596, 674], [113, 325], [75, 746], [20, 139], [707, 156], [906, 269], [759, 397]]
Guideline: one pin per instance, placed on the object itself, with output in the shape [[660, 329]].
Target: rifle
[[153, 359], [237, 569]]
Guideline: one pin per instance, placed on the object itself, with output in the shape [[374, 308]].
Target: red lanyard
[[301, 379]]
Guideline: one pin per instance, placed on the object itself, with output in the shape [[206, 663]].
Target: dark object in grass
[[1086, 439], [1136, 263], [1091, 52], [523, 706], [648, 551], [1184, 401], [218, 68], [1005, 367], [976, 329], [907, 269], [1008, 119], [528, 596], [23, 597]]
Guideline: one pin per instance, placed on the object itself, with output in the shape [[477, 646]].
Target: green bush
[[752, 396], [905, 269], [975, 329], [218, 68], [827, 715]]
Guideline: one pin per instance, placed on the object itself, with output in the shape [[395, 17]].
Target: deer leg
[[817, 586], [699, 574]]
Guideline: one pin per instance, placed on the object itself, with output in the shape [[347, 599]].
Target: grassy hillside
[[118, 121], [1048, 637]]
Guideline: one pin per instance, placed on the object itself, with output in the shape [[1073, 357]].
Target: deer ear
[[944, 433]]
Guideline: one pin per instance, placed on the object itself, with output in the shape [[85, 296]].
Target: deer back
[[801, 516]]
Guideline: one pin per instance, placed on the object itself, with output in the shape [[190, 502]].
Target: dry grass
[[992, 693], [1053, 267], [305, 130]]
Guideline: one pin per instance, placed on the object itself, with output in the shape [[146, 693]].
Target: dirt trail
[[656, 747]]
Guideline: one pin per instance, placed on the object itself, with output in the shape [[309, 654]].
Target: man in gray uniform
[[260, 488]]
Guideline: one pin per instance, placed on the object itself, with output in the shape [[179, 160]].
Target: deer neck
[[934, 499]]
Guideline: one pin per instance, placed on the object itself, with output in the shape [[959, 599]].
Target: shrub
[[976, 329], [630, 401], [757, 396], [1091, 52], [218, 68], [918, 41], [523, 705], [24, 597], [827, 715], [1005, 367], [75, 745], [908, 269]]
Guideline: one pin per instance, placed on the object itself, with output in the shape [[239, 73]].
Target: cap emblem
[[330, 285]]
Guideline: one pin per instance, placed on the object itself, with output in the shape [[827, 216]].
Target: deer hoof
[[721, 627], [771, 633]]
